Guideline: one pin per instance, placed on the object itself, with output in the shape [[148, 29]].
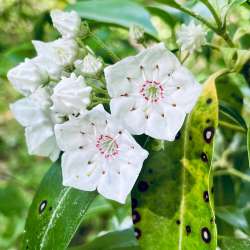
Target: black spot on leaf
[[204, 157], [208, 134], [188, 229], [208, 121], [134, 203], [206, 235], [178, 222], [209, 100], [137, 233], [206, 196], [143, 186], [42, 206], [136, 216]]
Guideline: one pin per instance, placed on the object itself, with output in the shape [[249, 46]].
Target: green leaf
[[228, 243], [55, 213], [120, 240], [231, 113], [172, 200], [117, 12]]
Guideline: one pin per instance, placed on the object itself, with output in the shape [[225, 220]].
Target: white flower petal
[[67, 23], [41, 141], [127, 110], [73, 134], [80, 171]]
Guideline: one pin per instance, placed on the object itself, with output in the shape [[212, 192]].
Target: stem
[[212, 46], [234, 172], [185, 58], [220, 31], [213, 12], [100, 43], [232, 126], [101, 99]]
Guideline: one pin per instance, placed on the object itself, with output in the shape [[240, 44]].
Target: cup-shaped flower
[[67, 23], [34, 114], [61, 51], [151, 92], [191, 37], [27, 77], [90, 65], [99, 154], [71, 95]]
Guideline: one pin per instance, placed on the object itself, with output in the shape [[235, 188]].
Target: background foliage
[[20, 174]]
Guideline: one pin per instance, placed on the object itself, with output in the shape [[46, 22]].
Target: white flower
[[27, 76], [71, 95], [67, 23], [61, 51], [90, 65], [33, 113], [99, 154], [53, 70], [151, 92], [191, 37]]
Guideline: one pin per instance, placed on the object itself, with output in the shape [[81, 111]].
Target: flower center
[[107, 146], [152, 91]]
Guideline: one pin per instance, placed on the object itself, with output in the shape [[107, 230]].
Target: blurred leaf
[[118, 12], [12, 202], [233, 216], [120, 240], [172, 200], [231, 113], [248, 144], [227, 243], [55, 214]]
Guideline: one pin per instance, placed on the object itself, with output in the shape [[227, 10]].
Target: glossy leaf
[[172, 200], [117, 12], [120, 240], [55, 213]]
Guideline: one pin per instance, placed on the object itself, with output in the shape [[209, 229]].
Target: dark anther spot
[[143, 186], [120, 132], [83, 133], [81, 147], [208, 134], [157, 66], [137, 233], [129, 78], [205, 234], [126, 94], [42, 206], [178, 222], [136, 216], [134, 203], [208, 121], [204, 157], [174, 105], [209, 100], [162, 115], [141, 67], [188, 229], [178, 135], [89, 162], [206, 196]]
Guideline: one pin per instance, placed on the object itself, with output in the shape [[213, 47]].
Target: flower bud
[[27, 77], [90, 65], [136, 34], [67, 23]]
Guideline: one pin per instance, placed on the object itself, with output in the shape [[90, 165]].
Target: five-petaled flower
[[151, 92], [99, 154]]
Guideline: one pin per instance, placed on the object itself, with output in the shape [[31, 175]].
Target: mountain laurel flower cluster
[[66, 95], [191, 37]]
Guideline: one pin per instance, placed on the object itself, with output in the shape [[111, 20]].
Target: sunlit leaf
[[173, 198]]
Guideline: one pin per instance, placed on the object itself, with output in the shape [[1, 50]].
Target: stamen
[[143, 73]]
